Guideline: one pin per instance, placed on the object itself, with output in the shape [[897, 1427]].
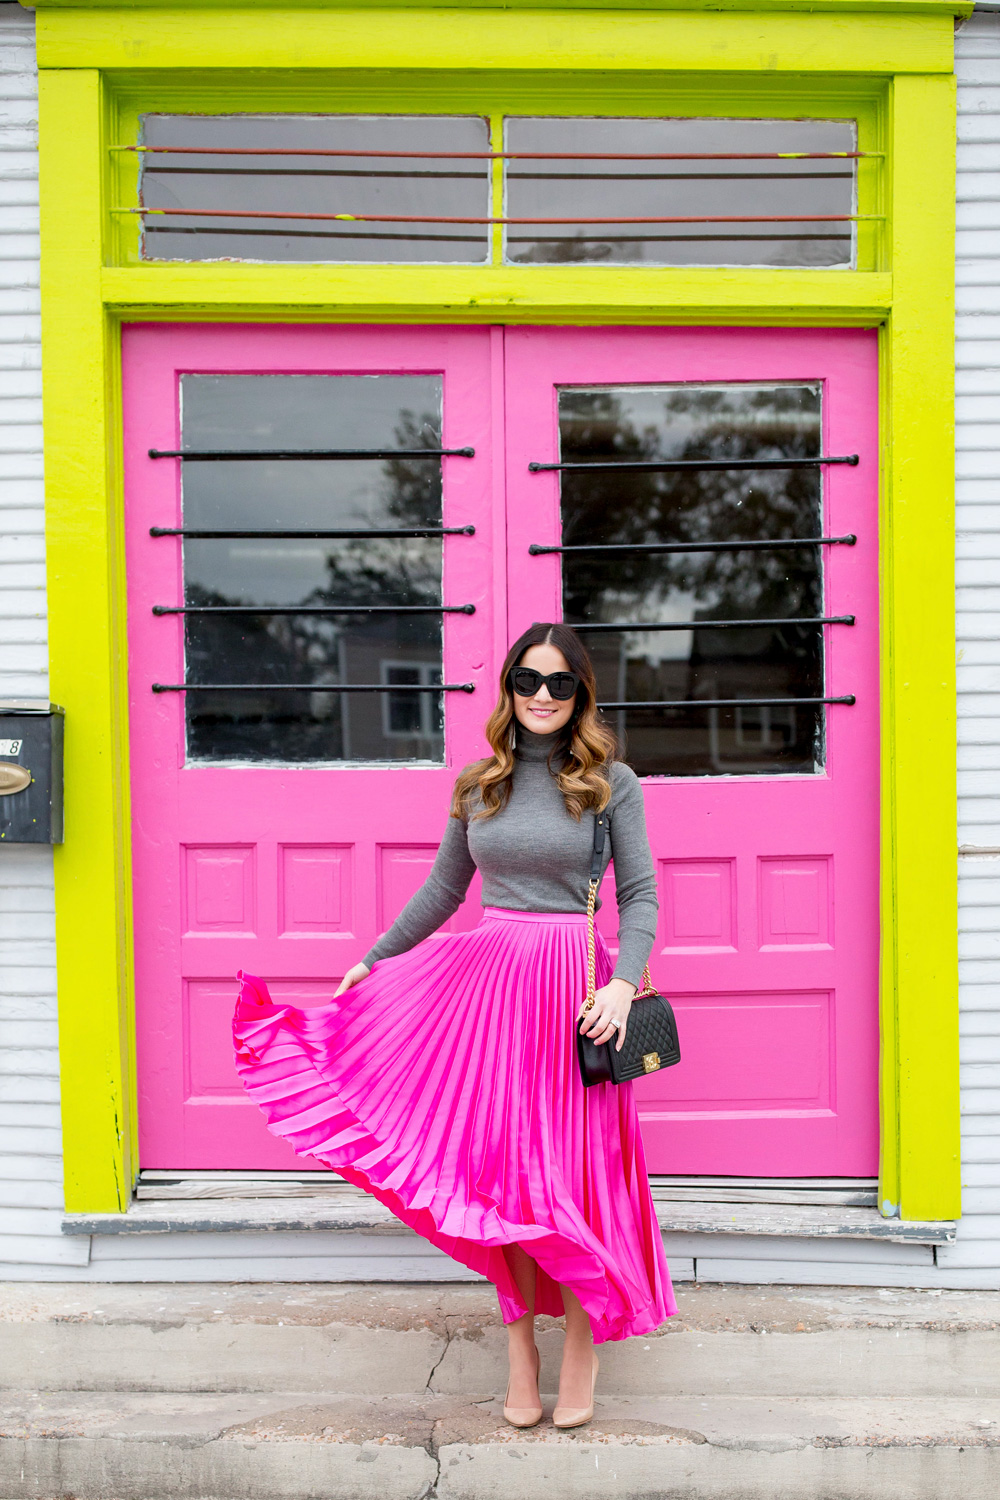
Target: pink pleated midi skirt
[[446, 1084]]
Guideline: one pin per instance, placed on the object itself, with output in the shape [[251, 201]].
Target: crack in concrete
[[432, 1445], [437, 1363], [432, 1489]]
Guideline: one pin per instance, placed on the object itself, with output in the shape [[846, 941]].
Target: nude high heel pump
[[575, 1416], [524, 1416]]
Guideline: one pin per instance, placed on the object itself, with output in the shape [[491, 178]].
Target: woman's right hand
[[353, 976]]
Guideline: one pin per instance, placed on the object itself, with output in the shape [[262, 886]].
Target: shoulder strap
[[596, 864], [600, 834]]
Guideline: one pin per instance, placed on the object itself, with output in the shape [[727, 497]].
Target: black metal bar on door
[[313, 687], [314, 609], [716, 624], [739, 545], [338, 535], [669, 465], [226, 455], [849, 698]]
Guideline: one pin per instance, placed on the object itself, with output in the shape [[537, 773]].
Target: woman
[[443, 1077]]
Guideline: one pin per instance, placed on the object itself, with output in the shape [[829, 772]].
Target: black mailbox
[[31, 773]]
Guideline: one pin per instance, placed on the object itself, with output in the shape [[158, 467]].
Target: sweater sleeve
[[635, 881], [440, 896]]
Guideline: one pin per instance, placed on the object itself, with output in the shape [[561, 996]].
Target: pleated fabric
[[446, 1085]]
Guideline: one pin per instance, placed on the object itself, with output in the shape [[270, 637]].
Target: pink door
[[325, 573], [763, 814], [281, 816]]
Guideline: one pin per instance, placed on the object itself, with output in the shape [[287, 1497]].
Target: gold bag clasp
[[650, 1061]]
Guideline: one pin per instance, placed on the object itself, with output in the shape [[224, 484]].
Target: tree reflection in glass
[[692, 422], [308, 412]]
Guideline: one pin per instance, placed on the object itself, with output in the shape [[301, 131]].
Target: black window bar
[[739, 545], [848, 698], [498, 155], [717, 624], [668, 465], [314, 609], [225, 455], [313, 687], [312, 536]]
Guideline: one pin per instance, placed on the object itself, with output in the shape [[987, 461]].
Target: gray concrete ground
[[316, 1393]]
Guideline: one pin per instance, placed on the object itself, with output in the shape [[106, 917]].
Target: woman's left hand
[[612, 1002]]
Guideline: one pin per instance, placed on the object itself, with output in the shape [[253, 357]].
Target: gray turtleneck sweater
[[534, 856]]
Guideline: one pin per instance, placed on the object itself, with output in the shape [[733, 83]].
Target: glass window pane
[[296, 412], [694, 659], [356, 184], [581, 190]]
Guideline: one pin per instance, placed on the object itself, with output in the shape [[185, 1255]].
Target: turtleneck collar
[[533, 747]]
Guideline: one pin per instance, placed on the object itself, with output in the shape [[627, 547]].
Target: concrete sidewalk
[[303, 1392]]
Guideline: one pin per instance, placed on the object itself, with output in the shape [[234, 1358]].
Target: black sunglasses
[[526, 681]]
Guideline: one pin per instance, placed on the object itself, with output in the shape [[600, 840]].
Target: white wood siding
[[31, 1245], [975, 1258], [30, 1160]]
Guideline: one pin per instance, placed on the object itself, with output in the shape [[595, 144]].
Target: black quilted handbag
[[651, 1035]]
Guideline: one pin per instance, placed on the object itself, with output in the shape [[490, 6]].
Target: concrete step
[[303, 1446], [344, 1393], [385, 1341]]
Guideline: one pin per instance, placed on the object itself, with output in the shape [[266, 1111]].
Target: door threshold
[[160, 1185], [811, 1192], [345, 1209]]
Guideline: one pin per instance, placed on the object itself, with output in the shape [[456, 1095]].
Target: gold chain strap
[[645, 988]]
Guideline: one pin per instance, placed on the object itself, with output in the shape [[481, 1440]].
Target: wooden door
[[763, 814], [292, 762]]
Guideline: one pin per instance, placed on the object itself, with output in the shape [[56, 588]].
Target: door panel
[[265, 837], [766, 850]]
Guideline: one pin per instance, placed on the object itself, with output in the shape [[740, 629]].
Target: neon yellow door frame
[[887, 65]]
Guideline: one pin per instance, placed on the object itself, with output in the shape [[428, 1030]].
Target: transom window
[[681, 192], [315, 188], [522, 190]]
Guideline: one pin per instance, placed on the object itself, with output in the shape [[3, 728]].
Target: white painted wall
[[31, 1245], [975, 1259], [30, 1164]]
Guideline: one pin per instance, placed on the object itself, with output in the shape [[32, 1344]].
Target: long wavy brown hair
[[582, 750]]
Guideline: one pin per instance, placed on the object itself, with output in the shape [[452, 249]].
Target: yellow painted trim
[[910, 297], [87, 652], [497, 193], [675, 41], [430, 89], [868, 7], [485, 294], [920, 1173]]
